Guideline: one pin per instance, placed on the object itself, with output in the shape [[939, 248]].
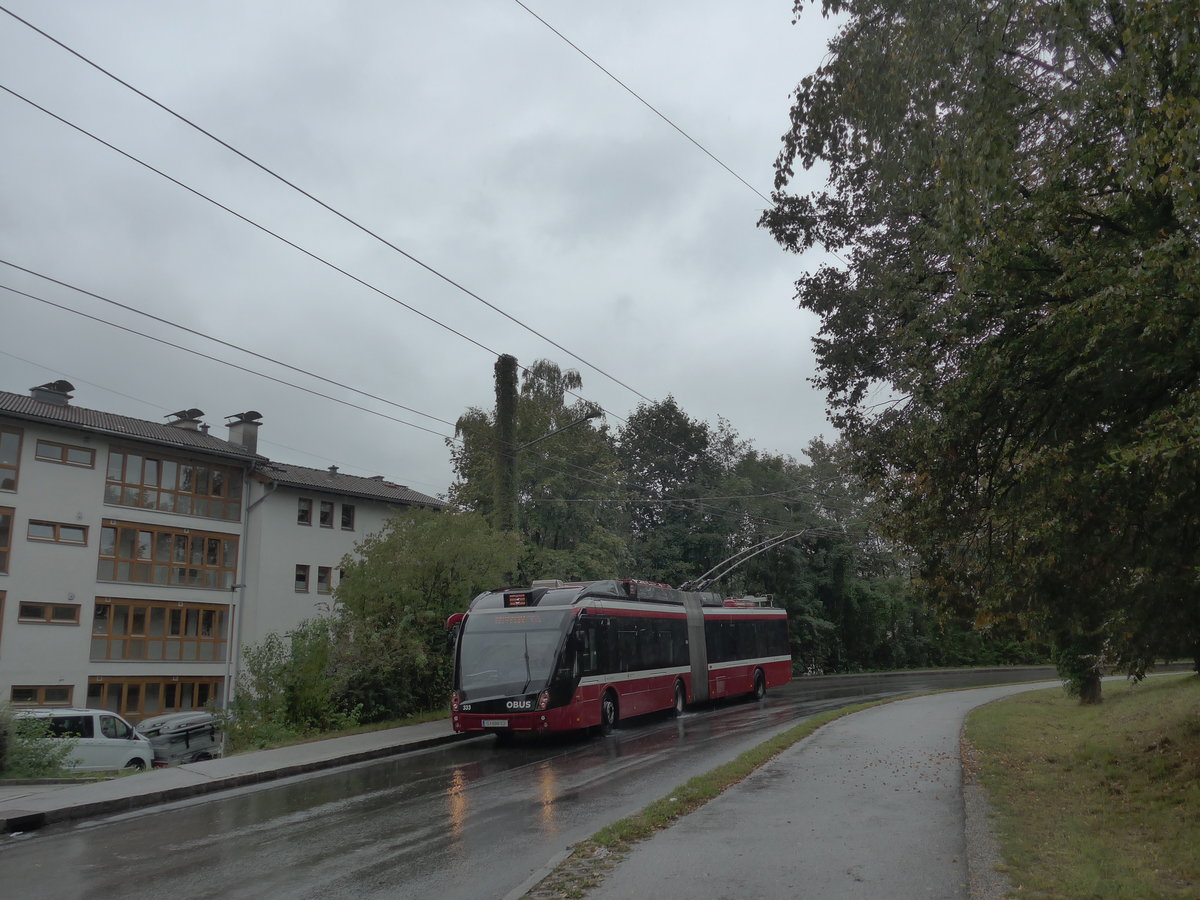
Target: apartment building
[[137, 558]]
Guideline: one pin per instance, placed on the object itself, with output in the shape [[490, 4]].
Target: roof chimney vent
[[56, 393], [243, 429], [187, 419], [332, 471]]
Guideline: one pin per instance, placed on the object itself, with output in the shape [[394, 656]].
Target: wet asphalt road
[[471, 820]]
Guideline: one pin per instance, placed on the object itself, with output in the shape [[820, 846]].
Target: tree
[[670, 462], [1015, 187], [568, 489], [381, 652]]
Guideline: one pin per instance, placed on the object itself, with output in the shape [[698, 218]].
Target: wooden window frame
[[14, 467], [324, 579], [47, 617], [303, 578], [326, 506], [123, 630], [137, 553], [176, 485], [63, 452], [350, 508], [57, 537], [304, 511], [170, 690], [40, 692], [6, 512]]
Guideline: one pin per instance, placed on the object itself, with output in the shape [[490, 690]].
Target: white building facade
[[137, 558]]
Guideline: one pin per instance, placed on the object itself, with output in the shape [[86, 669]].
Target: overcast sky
[[465, 133]]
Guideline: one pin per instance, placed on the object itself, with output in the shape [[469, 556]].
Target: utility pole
[[504, 516]]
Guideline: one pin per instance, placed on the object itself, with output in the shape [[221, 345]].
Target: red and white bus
[[555, 656]]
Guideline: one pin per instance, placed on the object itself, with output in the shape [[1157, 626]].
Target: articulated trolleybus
[[555, 656]]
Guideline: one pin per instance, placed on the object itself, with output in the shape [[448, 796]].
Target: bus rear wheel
[[608, 713], [680, 700], [760, 685]]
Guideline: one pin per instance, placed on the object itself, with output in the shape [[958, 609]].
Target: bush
[[28, 751]]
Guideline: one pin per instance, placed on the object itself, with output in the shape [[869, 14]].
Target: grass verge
[[592, 858], [1096, 801]]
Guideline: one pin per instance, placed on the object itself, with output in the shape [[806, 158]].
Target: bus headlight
[[543, 699]]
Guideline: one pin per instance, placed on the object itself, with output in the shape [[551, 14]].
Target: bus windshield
[[509, 653]]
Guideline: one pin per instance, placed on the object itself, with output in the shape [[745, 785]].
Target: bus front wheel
[[760, 685], [608, 713]]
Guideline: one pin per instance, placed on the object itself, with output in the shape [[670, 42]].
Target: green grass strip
[[1096, 801]]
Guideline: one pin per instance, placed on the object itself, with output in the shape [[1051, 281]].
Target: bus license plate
[[495, 723]]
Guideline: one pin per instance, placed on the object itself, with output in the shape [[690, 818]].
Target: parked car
[[182, 737], [104, 741]]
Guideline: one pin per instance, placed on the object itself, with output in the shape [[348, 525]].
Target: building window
[[6, 520], [173, 485], [67, 454], [326, 513], [136, 698], [304, 511], [52, 613], [158, 631], [41, 694], [324, 579], [302, 579], [58, 533], [347, 517], [10, 457], [147, 554]]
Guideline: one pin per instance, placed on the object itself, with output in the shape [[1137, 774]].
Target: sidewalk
[[24, 806], [869, 806]]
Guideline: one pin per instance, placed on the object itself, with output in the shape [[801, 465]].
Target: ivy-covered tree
[[569, 497], [1014, 193]]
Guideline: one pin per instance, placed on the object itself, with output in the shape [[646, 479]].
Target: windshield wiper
[[528, 673]]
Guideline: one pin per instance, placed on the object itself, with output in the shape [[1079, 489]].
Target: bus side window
[[583, 644], [679, 643], [627, 645], [595, 658], [745, 640]]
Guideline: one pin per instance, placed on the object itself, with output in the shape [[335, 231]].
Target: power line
[[246, 219], [643, 101], [344, 217], [223, 362], [232, 346], [77, 379], [202, 355]]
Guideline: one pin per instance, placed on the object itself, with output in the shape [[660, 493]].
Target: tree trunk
[[1089, 688]]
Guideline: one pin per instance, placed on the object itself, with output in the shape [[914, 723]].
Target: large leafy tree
[[1013, 187], [671, 462]]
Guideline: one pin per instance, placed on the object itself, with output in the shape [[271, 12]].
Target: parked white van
[[103, 740]]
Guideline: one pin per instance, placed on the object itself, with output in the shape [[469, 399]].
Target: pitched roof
[[21, 406], [348, 485]]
